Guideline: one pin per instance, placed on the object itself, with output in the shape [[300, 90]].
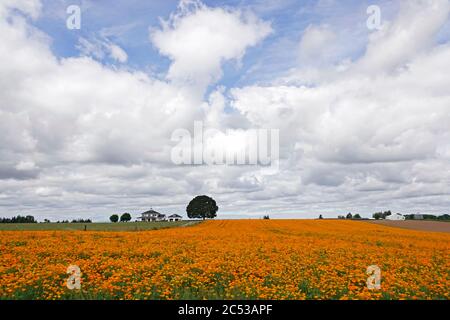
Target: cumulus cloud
[[198, 39], [365, 130], [80, 122], [78, 135], [401, 40]]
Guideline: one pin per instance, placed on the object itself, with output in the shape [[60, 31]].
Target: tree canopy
[[381, 215], [202, 207], [18, 219], [114, 218], [125, 217]]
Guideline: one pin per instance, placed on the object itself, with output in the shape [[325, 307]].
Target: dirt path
[[435, 226]]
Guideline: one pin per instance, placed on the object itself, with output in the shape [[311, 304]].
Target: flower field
[[249, 259]]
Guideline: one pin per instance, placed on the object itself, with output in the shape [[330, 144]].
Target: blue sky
[[127, 24]]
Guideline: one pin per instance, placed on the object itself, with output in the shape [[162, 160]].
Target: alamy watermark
[[74, 280], [233, 147], [374, 19], [374, 280], [73, 21]]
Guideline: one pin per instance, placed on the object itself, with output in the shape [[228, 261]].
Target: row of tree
[[429, 217], [81, 221], [123, 218], [381, 215], [73, 221], [19, 219], [201, 207], [31, 219], [385, 214], [350, 216]]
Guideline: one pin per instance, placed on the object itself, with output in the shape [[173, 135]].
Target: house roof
[[175, 216], [151, 211]]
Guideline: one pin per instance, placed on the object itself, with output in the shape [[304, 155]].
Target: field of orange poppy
[[242, 259]]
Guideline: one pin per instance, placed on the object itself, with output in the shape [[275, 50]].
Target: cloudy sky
[[87, 116]]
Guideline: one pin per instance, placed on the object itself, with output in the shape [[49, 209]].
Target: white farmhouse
[[152, 215], [174, 217], [396, 217]]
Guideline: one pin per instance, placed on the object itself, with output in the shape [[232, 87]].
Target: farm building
[[395, 217], [174, 217], [152, 215]]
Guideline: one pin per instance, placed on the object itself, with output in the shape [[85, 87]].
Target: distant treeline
[[429, 217], [348, 216], [81, 221], [18, 219], [73, 221], [31, 219], [383, 215]]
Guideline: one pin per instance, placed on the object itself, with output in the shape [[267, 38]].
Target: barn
[[174, 217], [395, 217]]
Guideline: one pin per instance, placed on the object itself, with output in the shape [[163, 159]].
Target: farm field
[[435, 226], [241, 259], [121, 226]]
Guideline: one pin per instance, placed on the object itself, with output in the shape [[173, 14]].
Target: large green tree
[[202, 207], [114, 218], [125, 217]]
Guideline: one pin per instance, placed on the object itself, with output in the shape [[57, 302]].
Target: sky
[[87, 116]]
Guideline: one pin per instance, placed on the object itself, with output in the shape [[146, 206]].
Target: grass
[[102, 226]]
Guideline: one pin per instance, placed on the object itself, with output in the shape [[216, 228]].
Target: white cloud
[[25, 165], [117, 53], [365, 128], [87, 127], [317, 44], [198, 39], [80, 136], [412, 32], [30, 7], [99, 49]]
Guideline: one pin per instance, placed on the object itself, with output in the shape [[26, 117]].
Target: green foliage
[[444, 217], [18, 219], [125, 217], [381, 215], [357, 216], [349, 216], [81, 221], [114, 218], [202, 207]]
